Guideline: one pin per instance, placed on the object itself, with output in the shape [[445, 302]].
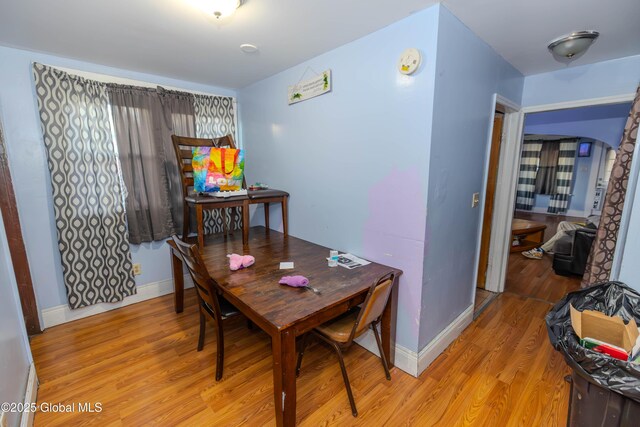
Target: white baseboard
[[570, 212], [62, 314], [30, 396], [440, 343], [415, 363]]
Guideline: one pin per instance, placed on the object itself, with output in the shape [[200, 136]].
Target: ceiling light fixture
[[573, 44], [248, 48], [219, 8]]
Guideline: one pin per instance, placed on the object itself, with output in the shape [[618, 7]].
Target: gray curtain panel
[[546, 182], [179, 119], [600, 259], [138, 122], [215, 117], [87, 193], [529, 160], [564, 177]]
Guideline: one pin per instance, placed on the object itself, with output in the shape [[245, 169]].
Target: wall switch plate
[[475, 200], [137, 269]]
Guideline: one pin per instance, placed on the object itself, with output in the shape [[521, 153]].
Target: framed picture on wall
[[584, 149]]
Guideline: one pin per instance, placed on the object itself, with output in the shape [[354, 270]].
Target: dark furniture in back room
[[570, 253]]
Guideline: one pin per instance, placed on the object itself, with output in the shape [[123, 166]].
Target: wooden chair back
[[374, 304], [183, 147], [204, 284]]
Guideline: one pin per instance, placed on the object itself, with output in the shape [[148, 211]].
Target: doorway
[[503, 210]]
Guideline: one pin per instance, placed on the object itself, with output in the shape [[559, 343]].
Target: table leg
[[285, 216], [199, 220], [386, 329], [245, 223], [266, 216], [178, 282], [284, 377]]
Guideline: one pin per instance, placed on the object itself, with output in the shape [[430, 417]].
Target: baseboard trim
[[405, 359], [570, 212], [63, 314], [30, 397], [415, 363], [440, 343]]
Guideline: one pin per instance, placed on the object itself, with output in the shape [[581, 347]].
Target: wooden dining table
[[283, 312]]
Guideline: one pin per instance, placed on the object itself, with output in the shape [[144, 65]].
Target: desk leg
[[284, 377], [266, 215], [178, 282], [200, 221], [285, 216], [245, 223], [388, 338]]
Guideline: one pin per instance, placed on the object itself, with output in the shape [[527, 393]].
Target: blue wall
[[602, 79], [468, 74], [15, 356], [354, 160], [27, 158]]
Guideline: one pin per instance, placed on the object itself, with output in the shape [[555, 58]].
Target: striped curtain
[[529, 161], [215, 117], [87, 193], [564, 177]]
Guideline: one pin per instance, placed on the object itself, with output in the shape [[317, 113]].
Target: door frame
[[506, 189]]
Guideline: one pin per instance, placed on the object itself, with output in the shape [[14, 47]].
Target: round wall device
[[248, 48], [409, 61]]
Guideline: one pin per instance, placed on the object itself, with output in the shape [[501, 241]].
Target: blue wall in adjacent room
[[27, 158], [468, 74], [355, 160]]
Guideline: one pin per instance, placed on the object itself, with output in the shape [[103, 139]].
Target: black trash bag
[[610, 298]]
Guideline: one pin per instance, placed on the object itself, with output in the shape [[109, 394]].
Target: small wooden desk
[[531, 234], [202, 203], [283, 312]]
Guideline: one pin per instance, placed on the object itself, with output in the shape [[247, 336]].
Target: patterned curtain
[[601, 257], [529, 161], [87, 195], [559, 201], [215, 117]]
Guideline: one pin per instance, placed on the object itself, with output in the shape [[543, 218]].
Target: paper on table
[[351, 261], [286, 265]]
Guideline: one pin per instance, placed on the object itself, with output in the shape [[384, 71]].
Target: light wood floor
[[140, 362]]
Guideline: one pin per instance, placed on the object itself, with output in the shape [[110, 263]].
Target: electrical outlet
[[475, 200], [137, 269], [3, 419]]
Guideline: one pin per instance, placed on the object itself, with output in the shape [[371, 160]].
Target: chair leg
[[302, 349], [385, 365], [266, 215], [220, 350], [203, 324], [347, 385]]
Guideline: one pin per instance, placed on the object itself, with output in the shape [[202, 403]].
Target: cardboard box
[[612, 330]]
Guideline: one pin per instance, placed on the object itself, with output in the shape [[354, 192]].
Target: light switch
[[475, 200]]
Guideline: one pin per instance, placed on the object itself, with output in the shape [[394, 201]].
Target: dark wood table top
[[257, 286], [526, 226]]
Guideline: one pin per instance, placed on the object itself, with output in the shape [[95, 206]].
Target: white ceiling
[[174, 39], [520, 30]]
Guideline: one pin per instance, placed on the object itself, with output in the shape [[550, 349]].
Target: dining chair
[[183, 147], [340, 332], [209, 302]]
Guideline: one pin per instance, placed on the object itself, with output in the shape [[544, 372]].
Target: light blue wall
[[27, 158], [355, 160], [468, 74], [602, 79], [15, 356], [601, 122]]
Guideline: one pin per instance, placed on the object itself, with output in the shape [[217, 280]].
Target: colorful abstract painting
[[217, 169]]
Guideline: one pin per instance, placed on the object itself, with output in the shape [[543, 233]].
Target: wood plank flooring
[[140, 362]]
